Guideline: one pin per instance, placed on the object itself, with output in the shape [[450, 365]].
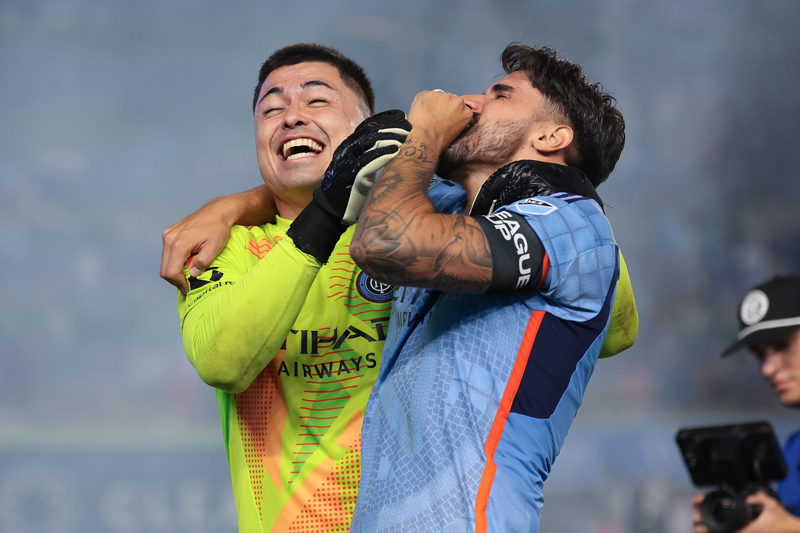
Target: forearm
[[401, 240], [231, 336], [251, 208]]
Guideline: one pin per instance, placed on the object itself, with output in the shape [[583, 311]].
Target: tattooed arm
[[400, 239]]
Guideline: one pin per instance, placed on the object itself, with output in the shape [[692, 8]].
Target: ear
[[549, 138]]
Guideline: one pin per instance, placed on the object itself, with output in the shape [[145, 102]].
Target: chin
[[790, 400], [304, 178]]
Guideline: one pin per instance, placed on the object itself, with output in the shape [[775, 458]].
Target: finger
[[391, 118], [396, 130], [167, 239], [176, 279], [206, 255], [179, 253], [395, 134], [164, 255], [369, 158], [379, 141], [358, 195], [759, 498]]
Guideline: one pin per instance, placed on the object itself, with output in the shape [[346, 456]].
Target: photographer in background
[[769, 318]]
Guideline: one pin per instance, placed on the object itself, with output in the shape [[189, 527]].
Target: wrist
[[427, 137], [315, 231], [253, 207], [224, 209]]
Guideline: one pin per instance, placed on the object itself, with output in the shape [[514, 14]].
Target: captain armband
[[517, 253]]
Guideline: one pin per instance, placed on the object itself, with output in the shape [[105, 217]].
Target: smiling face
[[780, 365], [303, 113], [504, 114]]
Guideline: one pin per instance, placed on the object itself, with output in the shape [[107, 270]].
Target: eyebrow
[[500, 88], [306, 85]]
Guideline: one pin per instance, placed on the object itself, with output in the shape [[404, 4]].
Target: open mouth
[[300, 148]]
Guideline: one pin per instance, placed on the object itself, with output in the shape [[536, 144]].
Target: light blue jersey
[[476, 393]]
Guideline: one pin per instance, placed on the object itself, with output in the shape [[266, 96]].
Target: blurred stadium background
[[119, 118]]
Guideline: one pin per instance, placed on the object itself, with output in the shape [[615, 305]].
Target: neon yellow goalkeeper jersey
[[293, 349]]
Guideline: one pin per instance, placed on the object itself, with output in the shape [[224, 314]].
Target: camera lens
[[724, 511]]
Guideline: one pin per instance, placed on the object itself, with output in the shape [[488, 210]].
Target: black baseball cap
[[769, 312]]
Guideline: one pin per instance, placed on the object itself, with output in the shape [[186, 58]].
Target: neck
[[289, 203], [471, 177]]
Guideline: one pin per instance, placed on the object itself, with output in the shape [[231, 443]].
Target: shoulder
[[564, 213], [793, 442], [252, 240], [539, 206]]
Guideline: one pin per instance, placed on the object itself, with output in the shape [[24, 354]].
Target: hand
[[697, 523], [438, 117], [352, 170], [774, 518], [200, 237]]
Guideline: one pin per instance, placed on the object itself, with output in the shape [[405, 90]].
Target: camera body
[[739, 460]]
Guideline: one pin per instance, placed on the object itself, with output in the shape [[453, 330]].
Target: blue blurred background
[[119, 118]]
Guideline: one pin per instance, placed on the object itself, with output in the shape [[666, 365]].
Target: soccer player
[[290, 338], [498, 318]]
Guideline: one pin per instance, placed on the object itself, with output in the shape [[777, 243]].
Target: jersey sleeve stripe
[[545, 269], [499, 423]]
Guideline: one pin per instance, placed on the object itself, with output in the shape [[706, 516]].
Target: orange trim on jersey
[[545, 271], [500, 418], [260, 248], [355, 305]]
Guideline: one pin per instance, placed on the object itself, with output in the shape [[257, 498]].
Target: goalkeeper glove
[[337, 203]]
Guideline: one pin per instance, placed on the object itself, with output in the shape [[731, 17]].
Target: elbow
[[360, 254], [377, 259], [227, 378]]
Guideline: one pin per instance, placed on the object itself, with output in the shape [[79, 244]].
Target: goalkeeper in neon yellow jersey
[[283, 324]]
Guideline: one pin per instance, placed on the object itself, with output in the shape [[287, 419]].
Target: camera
[[739, 459]]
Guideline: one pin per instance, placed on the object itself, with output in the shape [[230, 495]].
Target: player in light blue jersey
[[501, 313]]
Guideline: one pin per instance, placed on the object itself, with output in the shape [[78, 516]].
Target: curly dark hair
[[352, 74], [598, 126]]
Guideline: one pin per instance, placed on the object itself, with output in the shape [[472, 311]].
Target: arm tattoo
[[400, 239]]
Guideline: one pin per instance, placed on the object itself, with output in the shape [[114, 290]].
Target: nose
[[295, 115], [771, 363], [475, 102]]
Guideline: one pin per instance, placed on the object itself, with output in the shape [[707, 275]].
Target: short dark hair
[[598, 126], [352, 74]]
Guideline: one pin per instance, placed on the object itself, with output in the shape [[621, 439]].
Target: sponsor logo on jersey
[[533, 206], [329, 369], [211, 275], [312, 340], [373, 290]]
